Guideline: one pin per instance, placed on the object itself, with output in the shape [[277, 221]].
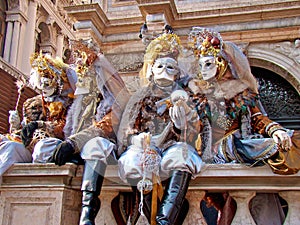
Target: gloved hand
[[27, 132], [281, 137], [180, 113], [14, 119], [63, 153]]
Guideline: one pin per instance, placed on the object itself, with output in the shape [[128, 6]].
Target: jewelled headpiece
[[205, 41], [84, 53], [208, 42], [166, 45], [87, 48]]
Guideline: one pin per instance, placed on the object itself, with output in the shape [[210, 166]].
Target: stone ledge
[[53, 193], [217, 177]]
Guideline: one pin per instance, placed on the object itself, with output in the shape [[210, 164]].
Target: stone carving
[[288, 48], [105, 215], [13, 4], [127, 62]]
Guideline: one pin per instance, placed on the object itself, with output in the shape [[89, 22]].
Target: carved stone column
[[293, 200], [105, 215], [194, 215], [242, 215]]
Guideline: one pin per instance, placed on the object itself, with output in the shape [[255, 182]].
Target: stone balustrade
[[46, 194]]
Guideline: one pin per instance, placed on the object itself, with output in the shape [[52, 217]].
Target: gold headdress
[[46, 66], [166, 45], [207, 42], [84, 53]]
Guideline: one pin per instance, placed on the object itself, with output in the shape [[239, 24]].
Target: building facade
[[268, 31]]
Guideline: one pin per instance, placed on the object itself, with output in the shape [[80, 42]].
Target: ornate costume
[[43, 115], [56, 80], [12, 149], [238, 130], [158, 131], [92, 122], [238, 121]]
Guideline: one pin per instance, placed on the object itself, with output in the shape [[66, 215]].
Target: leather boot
[[91, 186], [173, 198]]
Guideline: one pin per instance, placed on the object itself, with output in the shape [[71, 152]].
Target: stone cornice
[[10, 69], [168, 8], [216, 177], [16, 15], [235, 18], [94, 13]]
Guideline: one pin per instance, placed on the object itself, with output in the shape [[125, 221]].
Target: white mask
[[208, 67], [83, 85], [165, 71], [47, 87]]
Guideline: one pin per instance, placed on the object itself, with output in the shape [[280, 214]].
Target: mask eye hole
[[170, 67], [160, 66], [208, 64]]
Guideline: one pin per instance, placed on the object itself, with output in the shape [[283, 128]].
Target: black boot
[[173, 198], [91, 186], [147, 206]]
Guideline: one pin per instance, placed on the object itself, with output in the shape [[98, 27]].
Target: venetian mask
[[164, 71], [208, 67], [84, 85], [47, 86]]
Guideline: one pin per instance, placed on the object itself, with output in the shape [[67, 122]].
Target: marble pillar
[[29, 37], [15, 43], [59, 45], [8, 40]]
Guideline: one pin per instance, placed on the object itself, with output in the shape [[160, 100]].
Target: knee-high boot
[[91, 186], [173, 198]]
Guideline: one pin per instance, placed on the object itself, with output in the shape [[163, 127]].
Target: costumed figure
[[101, 96], [239, 130], [157, 135], [12, 149], [43, 115], [56, 81]]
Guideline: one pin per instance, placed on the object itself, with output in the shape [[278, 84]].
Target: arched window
[[280, 100], [3, 8], [42, 42]]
